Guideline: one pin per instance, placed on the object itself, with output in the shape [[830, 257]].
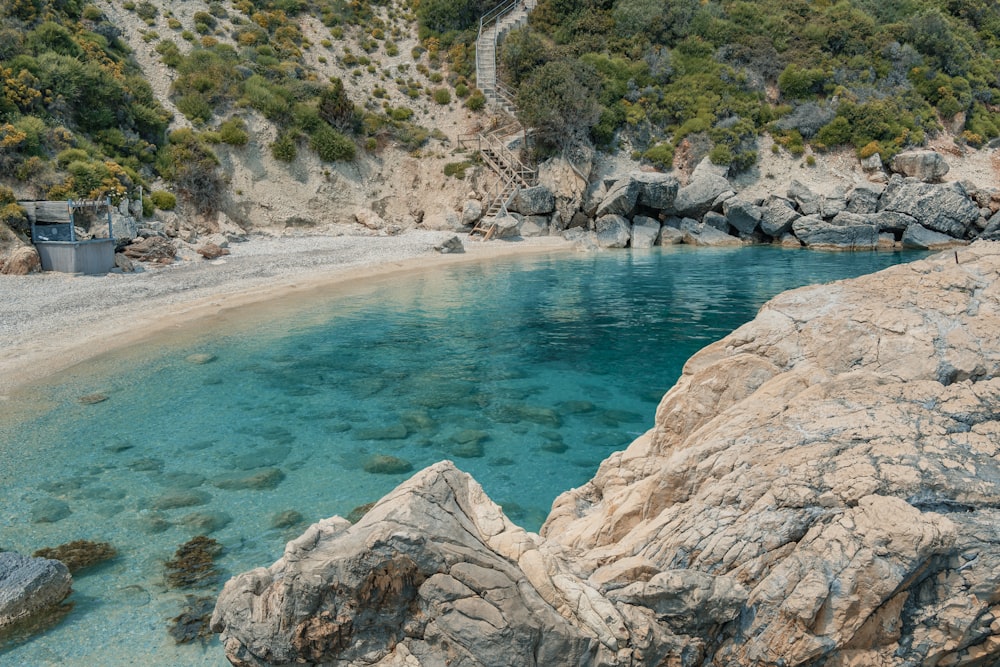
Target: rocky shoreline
[[820, 486], [909, 209]]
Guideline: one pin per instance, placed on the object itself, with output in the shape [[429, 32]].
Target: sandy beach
[[51, 321]]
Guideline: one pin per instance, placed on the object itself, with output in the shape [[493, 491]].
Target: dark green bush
[[233, 132], [283, 148], [163, 200], [330, 145]]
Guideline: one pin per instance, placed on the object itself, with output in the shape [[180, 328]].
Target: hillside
[[302, 114]]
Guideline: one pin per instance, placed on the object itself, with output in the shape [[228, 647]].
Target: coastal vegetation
[[79, 117], [652, 75]]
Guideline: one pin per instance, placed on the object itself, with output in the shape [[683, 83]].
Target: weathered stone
[[124, 262], [926, 166], [872, 163], [919, 237], [613, 231], [776, 216], [472, 211], [49, 510], [151, 249], [78, 554], [444, 221], [891, 221], [943, 208], [743, 215], [832, 204], [864, 198], [450, 245], [21, 261], [807, 118], [212, 251], [805, 199], [645, 232], [537, 200], [620, 199], [670, 236], [716, 220], [508, 226], [706, 235], [534, 225], [656, 191], [698, 197], [200, 358], [30, 585], [847, 234]]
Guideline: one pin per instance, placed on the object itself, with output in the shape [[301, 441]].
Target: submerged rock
[[819, 487], [383, 464]]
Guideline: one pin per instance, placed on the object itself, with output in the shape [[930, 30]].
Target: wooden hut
[[53, 231]]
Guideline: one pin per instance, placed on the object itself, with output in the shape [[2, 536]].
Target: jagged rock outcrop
[[821, 487]]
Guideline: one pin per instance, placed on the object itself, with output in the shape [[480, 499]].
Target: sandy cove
[[51, 321]]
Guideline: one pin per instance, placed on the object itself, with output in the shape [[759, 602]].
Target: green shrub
[[148, 207], [283, 148], [401, 113], [146, 11], [63, 158], [461, 91], [195, 108], [233, 132], [661, 155], [163, 200], [456, 169], [330, 145], [442, 96], [476, 101]]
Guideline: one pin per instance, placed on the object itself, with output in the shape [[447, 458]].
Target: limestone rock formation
[[30, 585], [820, 488], [926, 166]]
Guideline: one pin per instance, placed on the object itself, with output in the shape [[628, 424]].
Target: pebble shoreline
[[50, 321]]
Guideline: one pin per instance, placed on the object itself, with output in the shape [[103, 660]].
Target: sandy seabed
[[51, 321]]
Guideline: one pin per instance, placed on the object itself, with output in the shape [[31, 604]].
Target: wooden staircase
[[493, 145]]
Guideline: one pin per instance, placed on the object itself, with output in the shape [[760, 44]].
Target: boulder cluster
[[643, 209], [820, 487]]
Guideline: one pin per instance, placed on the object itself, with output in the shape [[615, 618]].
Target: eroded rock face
[[820, 488]]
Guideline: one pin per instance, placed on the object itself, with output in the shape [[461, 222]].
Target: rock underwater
[[821, 487]]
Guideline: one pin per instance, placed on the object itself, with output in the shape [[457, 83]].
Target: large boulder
[[472, 211], [698, 197], [30, 585], [706, 235], [944, 208], [507, 226], [645, 232], [656, 191], [776, 216], [920, 238], [534, 225], [805, 199], [20, 261], [926, 166], [820, 487], [620, 198], [743, 215], [613, 231], [537, 200], [864, 198], [444, 221], [845, 232]]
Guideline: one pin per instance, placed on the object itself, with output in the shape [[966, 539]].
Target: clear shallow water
[[525, 372]]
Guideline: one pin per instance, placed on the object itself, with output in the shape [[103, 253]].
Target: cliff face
[[822, 486]]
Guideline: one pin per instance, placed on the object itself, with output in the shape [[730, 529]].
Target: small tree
[[559, 101]]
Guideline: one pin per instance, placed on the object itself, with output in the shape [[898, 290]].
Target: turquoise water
[[525, 372]]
